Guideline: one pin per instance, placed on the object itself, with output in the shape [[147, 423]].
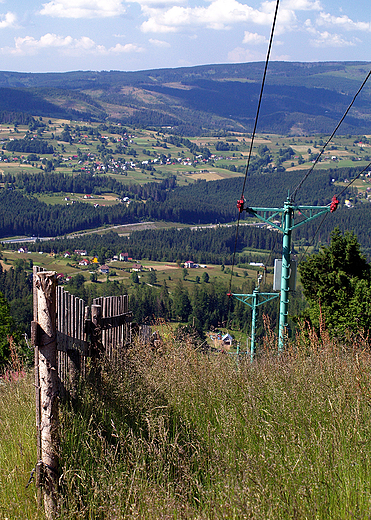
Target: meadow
[[176, 434], [169, 273]]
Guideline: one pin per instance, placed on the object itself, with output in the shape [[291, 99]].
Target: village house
[[137, 267], [124, 257], [104, 269], [190, 265], [81, 252]]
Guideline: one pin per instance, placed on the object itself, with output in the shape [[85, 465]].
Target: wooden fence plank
[[72, 336]]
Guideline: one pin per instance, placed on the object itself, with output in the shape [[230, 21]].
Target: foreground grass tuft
[[178, 434], [17, 448]]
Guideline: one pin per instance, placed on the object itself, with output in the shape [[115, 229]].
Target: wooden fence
[[65, 332], [83, 331]]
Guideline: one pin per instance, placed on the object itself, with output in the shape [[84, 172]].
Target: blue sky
[[63, 35]]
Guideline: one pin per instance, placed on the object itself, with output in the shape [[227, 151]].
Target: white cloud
[[302, 5], [343, 22], [8, 20], [219, 14], [159, 43], [159, 4], [334, 39], [241, 55], [29, 45], [254, 38], [83, 8], [326, 39], [127, 48], [65, 45]]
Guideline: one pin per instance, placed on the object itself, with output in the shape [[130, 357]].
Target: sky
[[129, 35]]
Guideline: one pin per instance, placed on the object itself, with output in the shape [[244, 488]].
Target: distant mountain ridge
[[299, 98]]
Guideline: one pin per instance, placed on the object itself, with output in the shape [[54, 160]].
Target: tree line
[[15, 306], [86, 183], [29, 145], [214, 246]]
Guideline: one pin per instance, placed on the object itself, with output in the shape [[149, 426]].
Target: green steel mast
[[252, 300], [282, 219]]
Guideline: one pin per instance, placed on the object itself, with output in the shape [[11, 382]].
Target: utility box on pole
[[278, 274]]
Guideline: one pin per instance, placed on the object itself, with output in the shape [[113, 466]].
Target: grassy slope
[[179, 435]]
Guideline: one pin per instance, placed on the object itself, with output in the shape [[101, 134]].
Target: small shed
[[227, 339]]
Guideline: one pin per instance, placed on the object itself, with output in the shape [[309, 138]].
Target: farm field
[[166, 272], [131, 176], [107, 199], [142, 156]]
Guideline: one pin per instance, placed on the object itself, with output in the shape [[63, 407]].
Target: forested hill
[[299, 98], [200, 203], [203, 202]]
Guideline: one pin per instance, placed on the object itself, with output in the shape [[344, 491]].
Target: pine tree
[[337, 285], [5, 329]]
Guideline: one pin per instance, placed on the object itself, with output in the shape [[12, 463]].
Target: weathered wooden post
[[47, 387], [96, 333], [74, 370]]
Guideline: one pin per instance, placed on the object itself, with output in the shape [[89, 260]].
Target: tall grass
[[178, 434], [17, 447]]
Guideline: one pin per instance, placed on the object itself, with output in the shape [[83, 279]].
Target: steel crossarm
[[266, 297], [256, 212], [308, 212]]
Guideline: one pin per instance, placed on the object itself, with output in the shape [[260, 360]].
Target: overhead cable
[[329, 139], [253, 134], [326, 214]]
